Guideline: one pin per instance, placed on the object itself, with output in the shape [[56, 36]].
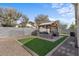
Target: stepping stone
[[69, 54], [68, 49], [59, 50], [72, 43], [73, 51], [63, 52], [62, 47]]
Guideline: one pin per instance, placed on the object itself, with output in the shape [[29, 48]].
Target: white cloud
[[52, 19], [63, 10], [69, 10], [67, 21], [57, 5], [66, 13]]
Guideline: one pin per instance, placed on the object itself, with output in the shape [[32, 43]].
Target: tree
[[41, 19], [72, 27], [63, 28], [9, 17]]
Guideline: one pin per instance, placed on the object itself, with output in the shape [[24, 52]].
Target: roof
[[48, 23]]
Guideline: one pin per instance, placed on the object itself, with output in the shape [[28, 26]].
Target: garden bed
[[40, 46]]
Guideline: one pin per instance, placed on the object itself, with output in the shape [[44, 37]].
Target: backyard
[[39, 46], [37, 30]]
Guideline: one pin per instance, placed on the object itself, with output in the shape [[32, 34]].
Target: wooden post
[[50, 28], [38, 30]]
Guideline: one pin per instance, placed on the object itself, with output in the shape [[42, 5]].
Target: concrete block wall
[[15, 32]]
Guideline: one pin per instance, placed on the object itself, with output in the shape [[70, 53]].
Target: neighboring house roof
[[20, 20], [29, 25]]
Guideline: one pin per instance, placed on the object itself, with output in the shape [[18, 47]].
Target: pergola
[[50, 25], [76, 6]]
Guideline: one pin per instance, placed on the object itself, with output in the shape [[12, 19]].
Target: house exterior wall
[[77, 18], [76, 6]]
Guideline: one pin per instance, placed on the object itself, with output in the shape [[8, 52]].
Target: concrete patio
[[10, 47]]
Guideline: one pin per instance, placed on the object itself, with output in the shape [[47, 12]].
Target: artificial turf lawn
[[25, 40], [41, 47]]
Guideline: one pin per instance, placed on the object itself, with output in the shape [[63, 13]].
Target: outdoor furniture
[[72, 34], [34, 33]]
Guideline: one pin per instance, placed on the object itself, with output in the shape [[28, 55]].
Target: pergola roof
[[48, 23]]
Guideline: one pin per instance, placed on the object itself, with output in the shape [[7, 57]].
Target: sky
[[64, 12]]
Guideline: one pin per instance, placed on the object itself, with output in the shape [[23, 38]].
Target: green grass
[[41, 47], [25, 40]]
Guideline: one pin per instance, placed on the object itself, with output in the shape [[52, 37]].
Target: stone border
[[51, 40], [53, 50], [19, 42], [30, 51]]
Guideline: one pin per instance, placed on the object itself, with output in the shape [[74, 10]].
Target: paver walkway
[[10, 47], [67, 48]]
